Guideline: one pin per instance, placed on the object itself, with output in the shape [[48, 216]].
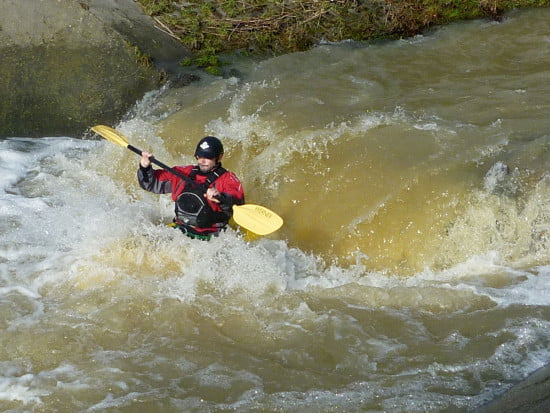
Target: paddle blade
[[111, 135], [256, 218]]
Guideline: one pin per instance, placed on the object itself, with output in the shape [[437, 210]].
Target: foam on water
[[88, 234]]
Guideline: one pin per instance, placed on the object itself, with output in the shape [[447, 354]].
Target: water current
[[412, 273]]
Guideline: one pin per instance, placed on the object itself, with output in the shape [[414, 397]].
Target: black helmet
[[209, 147]]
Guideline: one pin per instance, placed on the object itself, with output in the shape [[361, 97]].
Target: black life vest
[[192, 208]]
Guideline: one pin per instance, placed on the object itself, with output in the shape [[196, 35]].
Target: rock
[[532, 395], [127, 18], [67, 65]]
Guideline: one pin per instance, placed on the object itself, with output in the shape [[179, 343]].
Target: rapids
[[412, 273]]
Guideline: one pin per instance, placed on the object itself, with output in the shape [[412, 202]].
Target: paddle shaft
[[159, 163]]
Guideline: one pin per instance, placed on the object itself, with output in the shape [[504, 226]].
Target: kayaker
[[203, 203]]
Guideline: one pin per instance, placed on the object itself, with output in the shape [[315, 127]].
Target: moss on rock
[[68, 65], [61, 90]]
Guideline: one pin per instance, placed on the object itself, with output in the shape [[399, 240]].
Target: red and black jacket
[[192, 209]]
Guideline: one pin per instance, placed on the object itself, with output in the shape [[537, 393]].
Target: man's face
[[205, 164]]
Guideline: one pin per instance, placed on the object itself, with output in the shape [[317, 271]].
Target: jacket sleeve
[[152, 180], [231, 193]]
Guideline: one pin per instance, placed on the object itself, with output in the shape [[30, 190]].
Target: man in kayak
[[203, 203]]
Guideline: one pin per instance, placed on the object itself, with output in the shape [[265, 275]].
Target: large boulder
[[66, 65]]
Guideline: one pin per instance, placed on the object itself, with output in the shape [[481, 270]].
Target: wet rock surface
[[67, 65]]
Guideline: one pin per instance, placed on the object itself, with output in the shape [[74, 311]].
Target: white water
[[429, 294]]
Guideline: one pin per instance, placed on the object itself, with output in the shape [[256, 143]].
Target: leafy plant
[[282, 26]]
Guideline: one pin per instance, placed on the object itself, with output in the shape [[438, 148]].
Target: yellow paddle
[[255, 218]]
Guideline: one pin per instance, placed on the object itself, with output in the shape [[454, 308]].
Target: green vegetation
[[209, 27], [141, 58]]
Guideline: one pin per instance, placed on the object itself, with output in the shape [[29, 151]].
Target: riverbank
[[262, 27]]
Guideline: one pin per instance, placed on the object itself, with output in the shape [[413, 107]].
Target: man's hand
[[145, 161], [212, 194]]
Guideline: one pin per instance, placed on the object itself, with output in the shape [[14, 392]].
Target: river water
[[412, 273]]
